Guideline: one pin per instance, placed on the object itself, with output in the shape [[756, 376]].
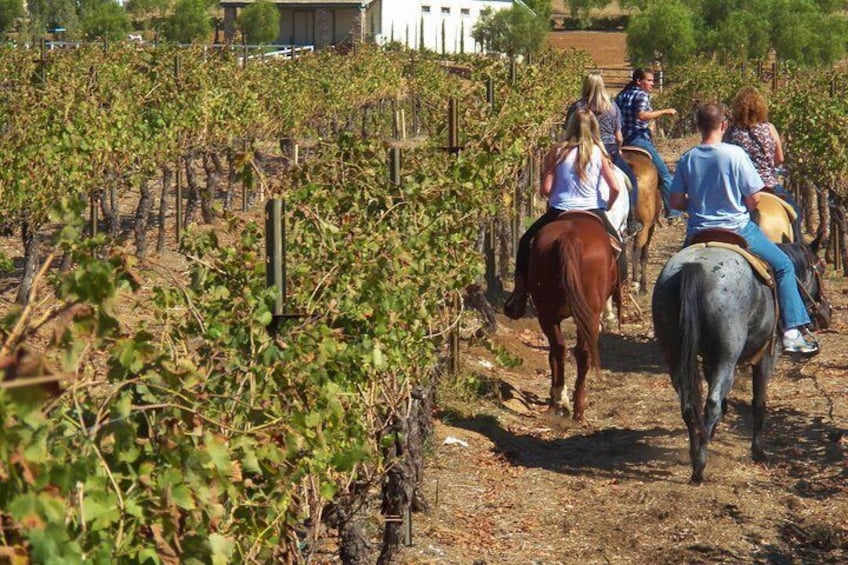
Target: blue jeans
[[793, 313], [644, 142], [619, 161]]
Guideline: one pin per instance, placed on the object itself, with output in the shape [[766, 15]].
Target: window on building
[[425, 9], [445, 10], [465, 12]]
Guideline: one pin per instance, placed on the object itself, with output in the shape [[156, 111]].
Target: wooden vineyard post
[[275, 252], [244, 187], [454, 149], [774, 76], [92, 213], [178, 228], [454, 337], [179, 203], [490, 94], [395, 166]]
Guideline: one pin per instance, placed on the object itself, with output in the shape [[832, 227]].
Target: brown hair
[[709, 117], [749, 108]]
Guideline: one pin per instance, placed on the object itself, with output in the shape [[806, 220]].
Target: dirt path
[[532, 488]]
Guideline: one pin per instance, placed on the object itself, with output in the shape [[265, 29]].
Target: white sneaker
[[800, 344]]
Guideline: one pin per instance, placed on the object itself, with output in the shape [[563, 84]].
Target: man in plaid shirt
[[636, 113]]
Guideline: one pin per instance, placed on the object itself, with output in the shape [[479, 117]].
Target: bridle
[[812, 305]]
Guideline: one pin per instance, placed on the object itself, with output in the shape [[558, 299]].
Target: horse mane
[[798, 254]]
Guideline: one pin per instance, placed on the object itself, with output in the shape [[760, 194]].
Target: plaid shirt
[[631, 102]]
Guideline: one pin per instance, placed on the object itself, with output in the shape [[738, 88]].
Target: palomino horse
[[776, 219], [647, 211], [709, 303], [572, 273]]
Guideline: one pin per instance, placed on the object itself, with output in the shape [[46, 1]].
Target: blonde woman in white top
[[571, 180]]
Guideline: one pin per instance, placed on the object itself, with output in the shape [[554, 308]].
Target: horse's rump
[[775, 218]]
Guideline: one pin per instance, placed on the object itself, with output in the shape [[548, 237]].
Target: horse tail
[[686, 377], [571, 258]]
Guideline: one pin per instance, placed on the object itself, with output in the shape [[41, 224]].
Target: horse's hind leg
[[720, 379], [556, 359], [697, 445], [583, 354], [762, 374]]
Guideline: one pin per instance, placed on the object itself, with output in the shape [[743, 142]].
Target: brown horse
[[572, 273], [647, 211]]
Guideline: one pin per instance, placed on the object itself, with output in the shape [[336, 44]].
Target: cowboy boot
[[516, 304]]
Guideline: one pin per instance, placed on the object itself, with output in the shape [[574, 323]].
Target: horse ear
[[814, 245]]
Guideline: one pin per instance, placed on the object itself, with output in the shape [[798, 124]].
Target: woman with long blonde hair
[[571, 180], [594, 97]]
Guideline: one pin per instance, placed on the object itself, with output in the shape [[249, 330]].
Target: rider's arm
[[751, 201], [612, 182], [778, 145], [548, 170], [677, 200], [646, 116]]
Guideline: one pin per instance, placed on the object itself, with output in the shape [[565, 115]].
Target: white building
[[436, 24]]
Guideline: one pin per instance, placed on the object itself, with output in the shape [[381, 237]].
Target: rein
[[814, 305]]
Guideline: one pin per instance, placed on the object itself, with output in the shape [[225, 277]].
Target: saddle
[[727, 239], [635, 149], [615, 242]]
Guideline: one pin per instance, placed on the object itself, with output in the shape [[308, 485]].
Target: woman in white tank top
[[571, 180]]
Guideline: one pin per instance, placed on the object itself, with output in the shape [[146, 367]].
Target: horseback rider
[[594, 97], [634, 100], [752, 131], [571, 180], [716, 183]]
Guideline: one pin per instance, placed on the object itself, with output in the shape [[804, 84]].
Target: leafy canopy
[[665, 31], [104, 19], [514, 31], [189, 22], [807, 32], [10, 10], [259, 22]]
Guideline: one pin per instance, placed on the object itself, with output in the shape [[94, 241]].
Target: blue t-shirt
[[716, 178]]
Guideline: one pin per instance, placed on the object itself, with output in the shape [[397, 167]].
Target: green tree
[[581, 10], [514, 31], [46, 14], [104, 19], [189, 22], [10, 10], [259, 22], [742, 35], [542, 8], [664, 31], [141, 8]]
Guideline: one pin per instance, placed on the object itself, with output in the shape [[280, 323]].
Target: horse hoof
[[759, 455]]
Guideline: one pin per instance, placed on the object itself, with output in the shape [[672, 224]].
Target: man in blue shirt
[[717, 184], [636, 113]]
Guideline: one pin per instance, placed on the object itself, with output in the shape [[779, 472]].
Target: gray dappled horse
[[708, 302]]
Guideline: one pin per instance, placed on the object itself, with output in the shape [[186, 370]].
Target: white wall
[[402, 21]]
